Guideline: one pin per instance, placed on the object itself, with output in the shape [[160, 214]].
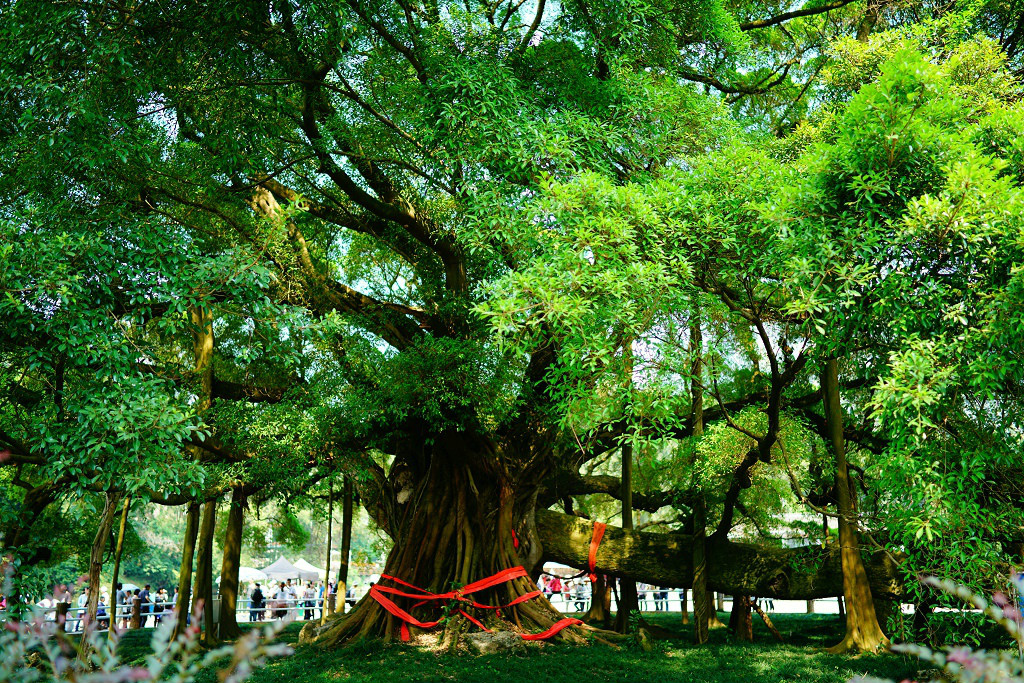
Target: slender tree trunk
[[204, 570], [183, 607], [111, 499], [628, 602], [702, 605], [346, 542], [862, 629], [99, 544], [112, 608], [202, 354], [327, 572], [230, 564], [767, 621]]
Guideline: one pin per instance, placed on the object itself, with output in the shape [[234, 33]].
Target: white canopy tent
[[282, 570], [307, 567], [248, 575], [559, 569]]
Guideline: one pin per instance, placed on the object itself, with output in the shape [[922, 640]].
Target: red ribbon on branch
[[381, 593], [595, 541]]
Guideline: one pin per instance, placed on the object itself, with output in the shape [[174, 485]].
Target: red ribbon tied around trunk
[[381, 595], [595, 541]]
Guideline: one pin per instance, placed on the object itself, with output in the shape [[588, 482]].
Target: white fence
[[150, 614]]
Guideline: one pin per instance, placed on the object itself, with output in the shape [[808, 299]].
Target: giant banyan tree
[[490, 245]]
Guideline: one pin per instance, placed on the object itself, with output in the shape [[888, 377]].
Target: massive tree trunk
[[862, 629], [732, 568], [204, 570], [188, 551], [230, 565], [456, 523]]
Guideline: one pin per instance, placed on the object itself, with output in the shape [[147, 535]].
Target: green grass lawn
[[799, 658]]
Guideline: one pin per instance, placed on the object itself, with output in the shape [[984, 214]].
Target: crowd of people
[[152, 605], [287, 597]]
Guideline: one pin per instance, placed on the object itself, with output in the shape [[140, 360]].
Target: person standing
[[159, 605], [83, 602], [281, 601], [146, 607], [120, 608], [308, 600], [580, 595], [256, 604], [555, 585], [102, 620]]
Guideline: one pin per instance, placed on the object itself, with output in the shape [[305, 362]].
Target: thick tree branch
[[805, 11]]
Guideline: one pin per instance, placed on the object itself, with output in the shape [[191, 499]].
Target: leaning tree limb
[[804, 573]]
